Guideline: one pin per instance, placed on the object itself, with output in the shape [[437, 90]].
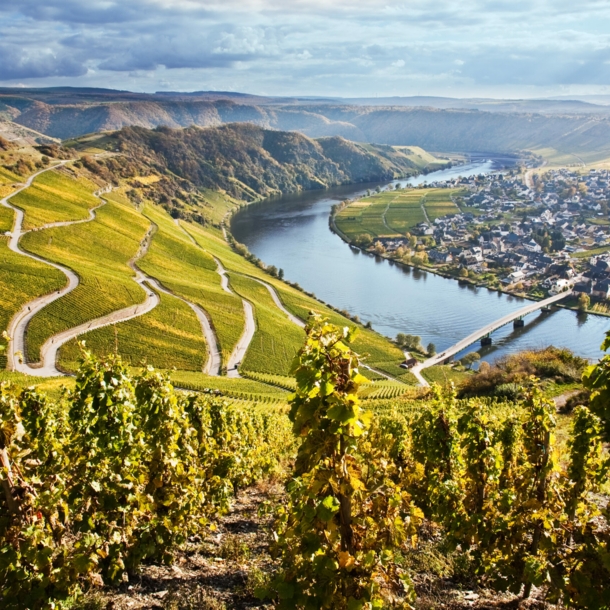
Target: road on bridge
[[482, 332]]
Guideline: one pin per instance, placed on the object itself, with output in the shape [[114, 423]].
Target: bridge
[[484, 334]]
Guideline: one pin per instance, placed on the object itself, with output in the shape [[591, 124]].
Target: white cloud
[[344, 47]]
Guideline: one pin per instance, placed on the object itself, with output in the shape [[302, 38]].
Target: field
[[381, 352], [405, 212], [190, 272], [276, 340], [438, 202], [21, 280], [167, 337], [55, 197], [392, 213], [98, 252]]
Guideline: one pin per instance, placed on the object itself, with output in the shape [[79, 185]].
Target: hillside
[[124, 251], [249, 162], [434, 124]]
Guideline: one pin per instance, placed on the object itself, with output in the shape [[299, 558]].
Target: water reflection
[[292, 233]]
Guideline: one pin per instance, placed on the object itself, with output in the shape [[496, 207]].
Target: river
[[292, 233]]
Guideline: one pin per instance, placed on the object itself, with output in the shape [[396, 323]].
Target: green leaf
[[328, 508]]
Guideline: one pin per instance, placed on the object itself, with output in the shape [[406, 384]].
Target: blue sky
[[492, 48]]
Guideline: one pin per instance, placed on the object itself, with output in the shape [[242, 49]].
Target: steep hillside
[[249, 162]]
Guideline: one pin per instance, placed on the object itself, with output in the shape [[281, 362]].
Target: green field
[[21, 280], [167, 337], [7, 217], [188, 271], [438, 202], [393, 213], [243, 389], [276, 340], [99, 252], [55, 197]]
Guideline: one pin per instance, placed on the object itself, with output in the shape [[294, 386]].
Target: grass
[[188, 271], [55, 197], [98, 252], [444, 374], [591, 252], [276, 340], [21, 280], [167, 337]]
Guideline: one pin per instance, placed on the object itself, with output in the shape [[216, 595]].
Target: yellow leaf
[[346, 560]]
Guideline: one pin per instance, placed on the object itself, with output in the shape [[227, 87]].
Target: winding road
[[249, 328], [18, 325]]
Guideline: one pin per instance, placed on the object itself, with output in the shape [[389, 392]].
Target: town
[[533, 237]]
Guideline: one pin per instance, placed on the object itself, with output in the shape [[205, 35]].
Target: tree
[[431, 349], [280, 273], [463, 272], [469, 359], [584, 301], [379, 248], [409, 342], [363, 240]]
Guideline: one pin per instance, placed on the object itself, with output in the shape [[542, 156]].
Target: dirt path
[[276, 299]]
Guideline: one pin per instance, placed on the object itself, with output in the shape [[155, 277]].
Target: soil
[[220, 572]]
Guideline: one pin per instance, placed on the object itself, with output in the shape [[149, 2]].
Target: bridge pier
[[519, 323], [486, 341]]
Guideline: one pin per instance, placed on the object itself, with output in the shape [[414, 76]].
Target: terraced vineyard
[[7, 217], [167, 337], [182, 257], [380, 352], [282, 381], [383, 390], [99, 252], [243, 389], [276, 341], [21, 280], [56, 197], [187, 270]]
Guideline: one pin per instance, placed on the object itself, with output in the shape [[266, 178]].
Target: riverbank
[[571, 305], [293, 233]]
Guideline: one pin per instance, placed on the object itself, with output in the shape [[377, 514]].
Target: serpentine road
[[18, 325]]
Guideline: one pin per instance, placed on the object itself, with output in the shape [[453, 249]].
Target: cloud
[[17, 65], [343, 47]]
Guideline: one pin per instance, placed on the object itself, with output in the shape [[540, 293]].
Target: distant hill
[[438, 124], [248, 162]]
